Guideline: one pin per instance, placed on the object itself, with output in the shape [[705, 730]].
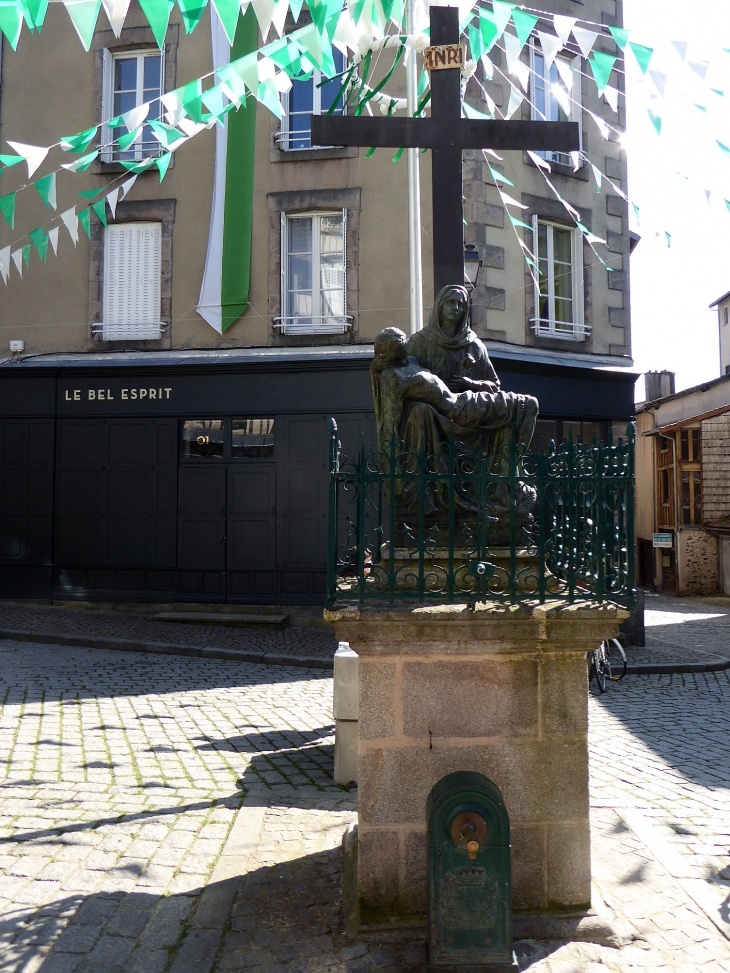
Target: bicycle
[[608, 661]]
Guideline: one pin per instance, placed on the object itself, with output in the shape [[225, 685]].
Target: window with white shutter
[[131, 282]]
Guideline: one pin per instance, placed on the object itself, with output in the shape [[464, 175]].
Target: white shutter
[[132, 281]]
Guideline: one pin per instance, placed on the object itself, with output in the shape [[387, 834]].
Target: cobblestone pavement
[[684, 630], [122, 846], [142, 627]]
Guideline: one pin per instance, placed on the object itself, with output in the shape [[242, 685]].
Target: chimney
[[658, 385]]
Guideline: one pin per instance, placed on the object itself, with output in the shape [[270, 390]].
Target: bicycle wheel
[[598, 668], [615, 658]]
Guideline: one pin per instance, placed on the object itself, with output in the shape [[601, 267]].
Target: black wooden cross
[[446, 133]]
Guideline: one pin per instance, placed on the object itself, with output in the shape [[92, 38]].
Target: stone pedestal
[[501, 690]]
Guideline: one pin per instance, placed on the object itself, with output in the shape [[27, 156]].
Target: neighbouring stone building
[[150, 451], [683, 488]]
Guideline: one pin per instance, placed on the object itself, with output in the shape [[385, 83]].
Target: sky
[[672, 286]]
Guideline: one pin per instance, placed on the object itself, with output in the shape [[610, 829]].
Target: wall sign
[[663, 540], [134, 394]]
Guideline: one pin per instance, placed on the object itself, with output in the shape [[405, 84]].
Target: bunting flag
[[34, 155], [7, 208], [46, 188], [5, 263], [224, 292]]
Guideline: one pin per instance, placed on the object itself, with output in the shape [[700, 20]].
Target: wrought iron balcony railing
[[545, 527]]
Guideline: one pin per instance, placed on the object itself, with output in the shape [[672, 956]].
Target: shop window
[[252, 438], [131, 295], [691, 496], [559, 285], [131, 79], [556, 94], [203, 439], [314, 95], [314, 285]]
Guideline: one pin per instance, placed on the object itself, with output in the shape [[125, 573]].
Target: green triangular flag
[[83, 14], [476, 43], [10, 160], [227, 11], [25, 252], [47, 189], [157, 13], [516, 222], [80, 142], [90, 193], [192, 11], [99, 207], [163, 163], [7, 208], [84, 216], [124, 141], [602, 66], [621, 36], [35, 13], [191, 98], [655, 120], [524, 23], [489, 30], [669, 238], [39, 239], [11, 21], [642, 55], [82, 163]]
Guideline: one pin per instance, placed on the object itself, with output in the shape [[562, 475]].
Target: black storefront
[[178, 477]]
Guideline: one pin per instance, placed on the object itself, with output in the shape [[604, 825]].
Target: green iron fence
[[462, 526]]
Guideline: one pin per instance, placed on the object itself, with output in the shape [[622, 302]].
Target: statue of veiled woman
[[425, 416]]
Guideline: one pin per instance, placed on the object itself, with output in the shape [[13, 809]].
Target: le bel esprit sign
[[118, 394]]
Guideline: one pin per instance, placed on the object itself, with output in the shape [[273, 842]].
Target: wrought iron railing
[[398, 526]]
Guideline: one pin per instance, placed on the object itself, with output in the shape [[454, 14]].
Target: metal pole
[[415, 297]]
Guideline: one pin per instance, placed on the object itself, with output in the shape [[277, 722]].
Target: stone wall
[[696, 562], [716, 468]]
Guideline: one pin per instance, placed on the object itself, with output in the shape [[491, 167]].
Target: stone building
[[683, 489], [164, 427]]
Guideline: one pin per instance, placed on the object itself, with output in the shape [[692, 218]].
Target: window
[[559, 290], [725, 314], [313, 274], [131, 79], [313, 96], [665, 482], [690, 445], [131, 297], [691, 494], [227, 439], [556, 94]]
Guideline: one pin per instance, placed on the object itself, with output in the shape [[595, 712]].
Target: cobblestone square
[[164, 813]]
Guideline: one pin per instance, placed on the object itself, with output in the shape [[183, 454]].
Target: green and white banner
[[224, 293]]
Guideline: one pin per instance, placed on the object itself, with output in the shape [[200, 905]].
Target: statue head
[[390, 348], [451, 308]]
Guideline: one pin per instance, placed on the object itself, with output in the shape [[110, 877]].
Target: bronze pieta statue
[[440, 386]]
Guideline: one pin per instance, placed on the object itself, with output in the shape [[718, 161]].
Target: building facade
[[683, 502], [150, 451]]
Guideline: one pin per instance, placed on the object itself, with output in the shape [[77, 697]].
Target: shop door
[[202, 518], [251, 537]]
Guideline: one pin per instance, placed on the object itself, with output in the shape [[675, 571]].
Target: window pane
[[545, 431], [684, 446], [684, 498], [253, 438], [330, 89], [203, 439], [561, 246], [696, 439], [697, 484], [300, 235], [332, 265], [125, 74], [301, 96], [152, 66]]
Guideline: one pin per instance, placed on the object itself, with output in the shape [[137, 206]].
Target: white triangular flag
[[515, 100], [5, 263], [116, 11], [173, 103], [550, 46], [681, 48], [598, 176], [282, 82], [586, 39], [190, 127], [611, 96], [53, 238], [708, 194], [17, 256], [697, 67], [126, 186], [601, 125], [135, 116], [575, 158], [660, 81], [111, 199], [279, 18], [561, 96], [488, 67], [508, 201], [512, 49], [563, 27], [33, 155], [565, 70], [264, 10], [346, 34], [540, 163], [71, 222]]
